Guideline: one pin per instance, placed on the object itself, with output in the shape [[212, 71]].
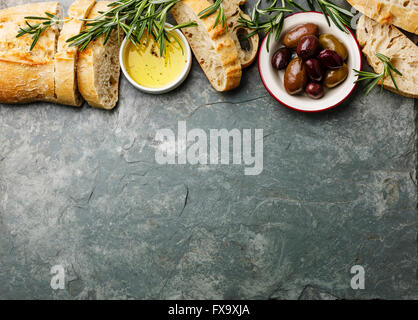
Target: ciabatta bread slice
[[388, 40], [66, 58], [401, 13], [213, 48], [27, 76], [247, 48], [98, 68]]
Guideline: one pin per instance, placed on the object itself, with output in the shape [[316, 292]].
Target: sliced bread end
[[388, 40], [27, 76]]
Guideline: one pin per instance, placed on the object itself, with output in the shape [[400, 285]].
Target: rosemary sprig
[[372, 78], [134, 18], [339, 16], [220, 18], [36, 30], [270, 20]]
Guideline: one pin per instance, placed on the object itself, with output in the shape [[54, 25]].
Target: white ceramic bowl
[[273, 79], [173, 84]]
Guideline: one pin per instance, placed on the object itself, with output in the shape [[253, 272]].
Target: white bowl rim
[[169, 87], [297, 108]]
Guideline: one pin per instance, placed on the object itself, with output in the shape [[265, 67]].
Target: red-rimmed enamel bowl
[[273, 79]]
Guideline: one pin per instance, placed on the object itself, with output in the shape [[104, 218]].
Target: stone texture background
[[81, 188]]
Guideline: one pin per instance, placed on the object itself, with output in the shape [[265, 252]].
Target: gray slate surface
[[81, 188]]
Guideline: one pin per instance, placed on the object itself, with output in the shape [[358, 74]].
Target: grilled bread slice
[[213, 48]]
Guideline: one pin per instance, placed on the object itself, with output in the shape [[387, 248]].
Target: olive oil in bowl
[[147, 68]]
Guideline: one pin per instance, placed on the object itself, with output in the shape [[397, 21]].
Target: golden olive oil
[[146, 67]]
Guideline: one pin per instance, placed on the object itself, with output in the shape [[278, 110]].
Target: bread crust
[[389, 13], [66, 58], [229, 76], [388, 40], [27, 75]]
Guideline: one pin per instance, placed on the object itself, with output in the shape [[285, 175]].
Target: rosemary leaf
[[294, 4], [311, 5]]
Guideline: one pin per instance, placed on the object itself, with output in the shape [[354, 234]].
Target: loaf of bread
[[66, 58], [247, 48], [388, 40], [213, 48], [401, 13], [26, 75], [98, 67]]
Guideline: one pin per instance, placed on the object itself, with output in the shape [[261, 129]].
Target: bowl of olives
[[310, 67]]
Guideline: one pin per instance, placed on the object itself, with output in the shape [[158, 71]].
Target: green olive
[[334, 77], [329, 41]]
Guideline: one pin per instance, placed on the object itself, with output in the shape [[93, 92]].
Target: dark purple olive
[[281, 58], [330, 59], [308, 47], [314, 69], [314, 90]]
